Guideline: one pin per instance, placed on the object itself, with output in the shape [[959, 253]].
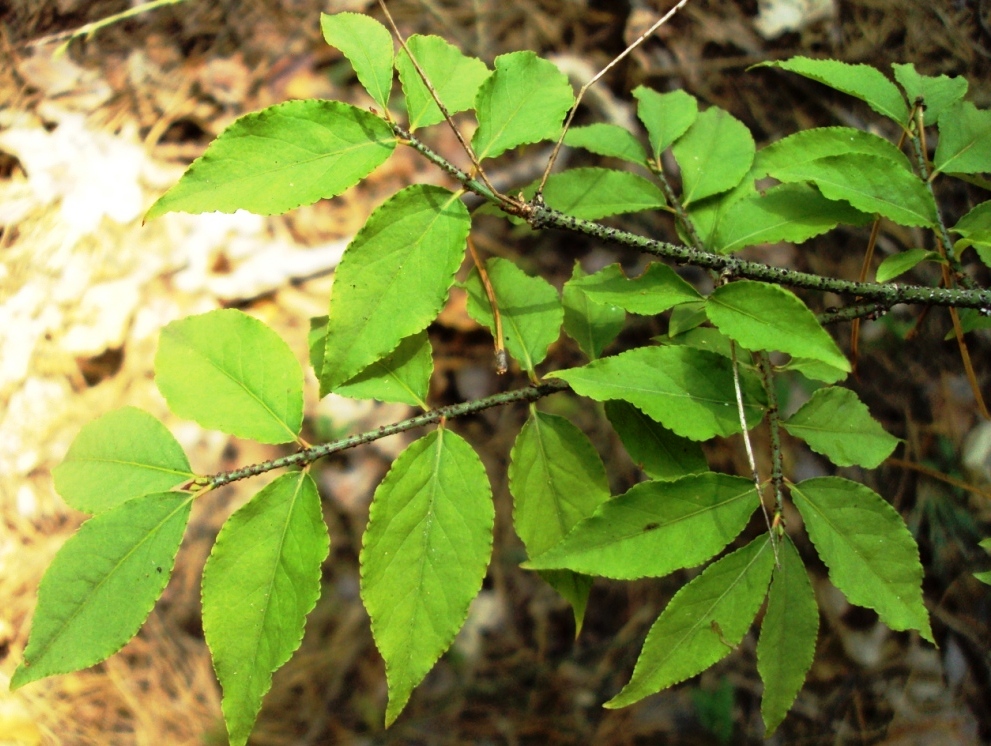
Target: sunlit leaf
[[608, 140], [593, 193], [123, 454], [228, 371], [102, 585], [279, 158], [667, 116], [367, 44], [655, 449], [902, 262], [655, 291], [964, 140], [393, 279], [424, 555], [261, 580], [937, 92], [523, 101], [454, 77], [714, 155], [530, 308]]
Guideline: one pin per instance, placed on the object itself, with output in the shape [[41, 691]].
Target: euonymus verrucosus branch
[[429, 536]]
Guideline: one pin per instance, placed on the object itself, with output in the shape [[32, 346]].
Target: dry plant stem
[[440, 104], [939, 476], [539, 217], [89, 29], [581, 93], [868, 257], [501, 363], [309, 455]]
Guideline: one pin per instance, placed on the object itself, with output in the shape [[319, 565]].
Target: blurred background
[[91, 135]]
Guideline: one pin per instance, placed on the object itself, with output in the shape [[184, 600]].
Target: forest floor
[[90, 138]]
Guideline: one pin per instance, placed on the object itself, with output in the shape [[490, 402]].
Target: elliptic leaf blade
[[279, 158], [860, 81], [667, 116], [530, 308], [401, 376], [523, 101], [835, 423], [787, 212], [690, 392], [593, 193], [714, 155], [368, 46], [556, 479], [900, 263], [655, 449], [964, 140], [704, 621], [228, 371], [938, 92], [870, 184], [609, 140], [656, 528], [871, 555], [591, 324], [455, 78], [261, 580], [393, 279], [655, 291], [822, 142], [759, 316], [787, 635], [102, 585], [123, 454], [424, 555]]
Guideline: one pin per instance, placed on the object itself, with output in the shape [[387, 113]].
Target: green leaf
[[860, 81], [656, 528], [367, 44], [655, 449], [714, 155], [123, 454], [964, 140], [938, 93], [760, 316], [667, 116], [970, 319], [686, 317], [609, 140], [687, 391], [870, 184], [401, 376], [704, 621], [702, 338], [593, 193], [102, 585], [984, 577], [975, 227], [815, 370], [835, 423], [871, 556], [787, 635], [261, 580], [523, 101], [708, 214], [530, 308], [591, 324], [787, 212], [808, 146], [393, 279], [902, 262], [424, 556], [655, 291], [279, 158], [228, 371], [455, 78], [556, 479]]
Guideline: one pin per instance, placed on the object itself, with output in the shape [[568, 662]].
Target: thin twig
[[501, 364], [595, 78], [309, 455], [938, 475], [440, 104], [88, 29], [774, 424]]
